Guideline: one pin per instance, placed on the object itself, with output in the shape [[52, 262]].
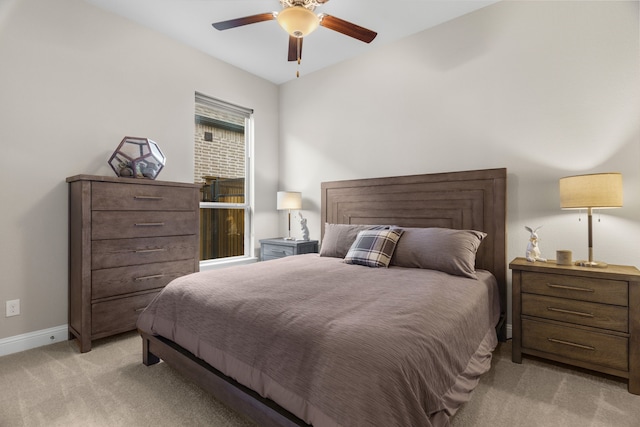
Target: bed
[[326, 339]]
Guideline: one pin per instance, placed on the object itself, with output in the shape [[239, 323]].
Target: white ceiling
[[261, 48]]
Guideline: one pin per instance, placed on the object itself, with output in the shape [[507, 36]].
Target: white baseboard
[[33, 339]]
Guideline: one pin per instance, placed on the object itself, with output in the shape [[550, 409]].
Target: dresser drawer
[[604, 316], [276, 251], [592, 347], [118, 315], [123, 252], [128, 224], [122, 280], [137, 197], [576, 287]]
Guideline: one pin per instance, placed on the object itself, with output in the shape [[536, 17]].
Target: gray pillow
[[443, 249], [338, 238], [373, 248]]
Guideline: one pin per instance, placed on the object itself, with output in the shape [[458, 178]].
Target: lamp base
[[288, 238], [591, 264]]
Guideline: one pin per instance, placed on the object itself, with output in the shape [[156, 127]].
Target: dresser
[[279, 247], [128, 238], [586, 317]]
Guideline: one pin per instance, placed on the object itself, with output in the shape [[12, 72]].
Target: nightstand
[[585, 317], [278, 248]]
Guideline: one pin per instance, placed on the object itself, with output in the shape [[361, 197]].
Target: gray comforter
[[337, 344]]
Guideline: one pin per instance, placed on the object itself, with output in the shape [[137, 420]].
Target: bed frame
[[461, 200]]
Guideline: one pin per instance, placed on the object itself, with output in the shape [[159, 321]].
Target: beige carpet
[[537, 393], [57, 386]]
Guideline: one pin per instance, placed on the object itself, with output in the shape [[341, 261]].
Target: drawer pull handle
[[569, 288], [147, 198], [577, 313], [149, 224], [154, 276], [144, 251], [572, 344]]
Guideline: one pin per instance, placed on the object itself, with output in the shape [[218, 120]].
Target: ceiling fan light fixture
[[298, 21]]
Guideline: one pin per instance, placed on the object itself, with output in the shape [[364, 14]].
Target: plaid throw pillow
[[373, 248]]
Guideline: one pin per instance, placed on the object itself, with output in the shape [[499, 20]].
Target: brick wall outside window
[[222, 157]]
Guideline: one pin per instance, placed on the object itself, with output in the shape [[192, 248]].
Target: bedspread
[[337, 344]]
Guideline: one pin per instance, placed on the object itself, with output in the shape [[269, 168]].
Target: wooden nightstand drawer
[[592, 347], [137, 197], [277, 251], [278, 248], [604, 316], [575, 287]]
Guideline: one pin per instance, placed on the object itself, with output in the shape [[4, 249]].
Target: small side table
[[581, 316], [279, 247]]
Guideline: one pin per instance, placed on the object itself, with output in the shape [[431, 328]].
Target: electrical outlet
[[13, 307]]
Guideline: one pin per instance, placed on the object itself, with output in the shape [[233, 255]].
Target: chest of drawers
[[128, 238], [586, 317], [278, 248]]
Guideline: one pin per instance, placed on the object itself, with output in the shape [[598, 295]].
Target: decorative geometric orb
[[137, 158]]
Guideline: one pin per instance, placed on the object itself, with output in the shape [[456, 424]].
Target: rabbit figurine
[[303, 227], [533, 251]]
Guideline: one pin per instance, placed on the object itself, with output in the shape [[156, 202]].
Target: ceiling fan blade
[[238, 22], [295, 48], [347, 28]]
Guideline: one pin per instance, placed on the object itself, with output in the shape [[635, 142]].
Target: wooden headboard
[[473, 200]]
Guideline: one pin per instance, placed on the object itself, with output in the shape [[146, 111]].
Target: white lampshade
[[600, 190], [298, 21], [289, 200]]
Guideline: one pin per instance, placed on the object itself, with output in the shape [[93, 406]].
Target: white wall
[[545, 89], [74, 80]]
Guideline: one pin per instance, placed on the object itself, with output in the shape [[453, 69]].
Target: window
[[223, 167]]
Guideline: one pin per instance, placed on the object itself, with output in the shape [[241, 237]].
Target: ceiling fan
[[299, 20]]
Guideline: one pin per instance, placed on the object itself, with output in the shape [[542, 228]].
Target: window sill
[[214, 264]]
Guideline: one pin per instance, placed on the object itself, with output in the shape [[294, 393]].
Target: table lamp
[[289, 200], [593, 191]]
